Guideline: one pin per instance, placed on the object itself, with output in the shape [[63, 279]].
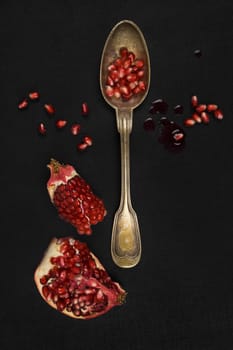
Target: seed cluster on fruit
[[125, 76], [71, 279]]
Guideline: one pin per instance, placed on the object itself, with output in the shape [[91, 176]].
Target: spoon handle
[[126, 242]]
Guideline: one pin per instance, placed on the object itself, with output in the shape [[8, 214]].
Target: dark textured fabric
[[180, 296]]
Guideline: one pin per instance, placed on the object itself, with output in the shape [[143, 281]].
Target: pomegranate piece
[[201, 108], [197, 118], [82, 146], [73, 197], [88, 140], [23, 104], [49, 108], [61, 123], [34, 95], [212, 107], [189, 122], [218, 114], [205, 118], [71, 279], [194, 101]]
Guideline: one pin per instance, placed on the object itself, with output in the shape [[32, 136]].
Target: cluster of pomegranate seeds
[[71, 279], [73, 197], [59, 123], [201, 112], [125, 76]]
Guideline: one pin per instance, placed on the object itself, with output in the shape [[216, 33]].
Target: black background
[[180, 296]]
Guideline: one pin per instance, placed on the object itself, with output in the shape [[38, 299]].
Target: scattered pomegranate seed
[[149, 124], [159, 106], [201, 108], [198, 53], [189, 122], [34, 95], [61, 123], [178, 136], [197, 118], [75, 129], [85, 108], [218, 114], [194, 101], [49, 108], [88, 140], [23, 104], [42, 129], [179, 109], [82, 146], [205, 117], [212, 107]]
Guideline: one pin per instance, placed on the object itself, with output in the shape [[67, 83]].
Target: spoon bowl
[[126, 240]]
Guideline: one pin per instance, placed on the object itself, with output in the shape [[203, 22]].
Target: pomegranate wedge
[[71, 279]]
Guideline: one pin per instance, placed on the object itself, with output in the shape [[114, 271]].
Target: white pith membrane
[[112, 297]]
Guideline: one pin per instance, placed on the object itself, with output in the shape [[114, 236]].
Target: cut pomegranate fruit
[[71, 279], [74, 199]]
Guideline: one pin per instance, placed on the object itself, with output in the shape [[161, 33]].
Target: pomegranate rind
[[114, 298]]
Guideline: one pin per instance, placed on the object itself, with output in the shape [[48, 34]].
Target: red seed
[[189, 122], [131, 56], [85, 108], [49, 108], [87, 140], [131, 77], [34, 95], [197, 118], [61, 123], [123, 52], [111, 67], [109, 91], [140, 73], [178, 136], [117, 93], [205, 117], [139, 63], [201, 108], [23, 104], [82, 146], [42, 129], [142, 85], [75, 129], [194, 101], [218, 114], [212, 107]]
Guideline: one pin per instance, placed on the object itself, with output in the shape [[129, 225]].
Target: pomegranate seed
[[149, 124], [109, 91], [124, 90], [205, 118], [87, 140], [139, 63], [75, 129], [114, 75], [136, 90], [61, 123], [34, 95], [142, 85], [189, 122], [117, 93], [140, 73], [212, 107], [111, 67], [198, 53], [23, 104], [218, 114], [197, 118], [201, 108], [123, 52], [82, 146], [178, 136], [49, 108], [159, 106], [110, 81], [194, 101], [42, 129], [127, 63], [131, 77], [121, 72], [179, 109], [85, 108]]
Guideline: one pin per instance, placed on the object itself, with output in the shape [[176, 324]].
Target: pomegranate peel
[[73, 197], [86, 294]]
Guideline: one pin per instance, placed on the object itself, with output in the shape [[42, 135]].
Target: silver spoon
[[126, 240]]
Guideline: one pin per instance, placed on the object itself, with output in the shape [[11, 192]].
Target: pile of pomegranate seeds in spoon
[[125, 76]]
